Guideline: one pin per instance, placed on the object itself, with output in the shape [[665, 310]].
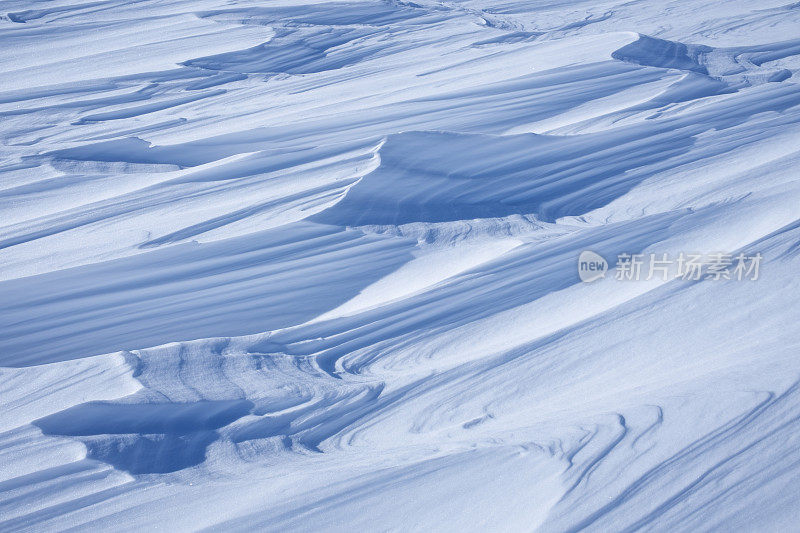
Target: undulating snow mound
[[304, 265]]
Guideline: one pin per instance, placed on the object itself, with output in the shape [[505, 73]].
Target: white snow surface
[[292, 265]]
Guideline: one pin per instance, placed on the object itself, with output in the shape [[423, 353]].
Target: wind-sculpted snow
[[296, 266], [239, 284], [738, 65]]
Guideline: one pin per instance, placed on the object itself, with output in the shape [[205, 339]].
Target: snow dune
[[312, 265]]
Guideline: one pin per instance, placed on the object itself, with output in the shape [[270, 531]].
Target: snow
[[302, 265]]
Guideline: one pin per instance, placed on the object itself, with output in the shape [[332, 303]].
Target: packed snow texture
[[311, 266]]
